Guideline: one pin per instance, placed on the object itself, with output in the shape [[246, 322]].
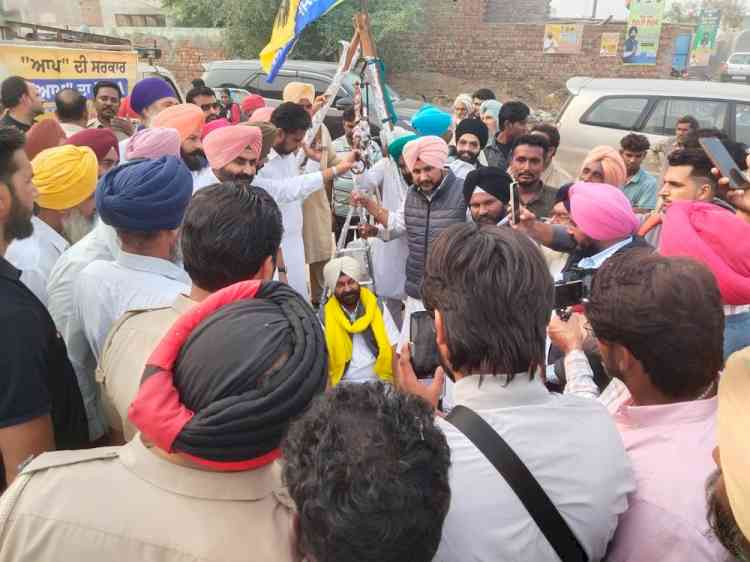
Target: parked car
[[237, 94], [602, 111], [249, 75], [147, 70], [737, 68]]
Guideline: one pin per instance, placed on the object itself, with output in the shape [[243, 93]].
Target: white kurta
[[286, 168], [461, 169], [388, 258], [36, 256]]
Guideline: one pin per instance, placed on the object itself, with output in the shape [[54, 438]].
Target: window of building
[[140, 20]]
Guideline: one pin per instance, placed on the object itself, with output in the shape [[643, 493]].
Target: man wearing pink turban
[[262, 115], [720, 240], [434, 202], [604, 164], [233, 152], [188, 119], [602, 224], [153, 143]]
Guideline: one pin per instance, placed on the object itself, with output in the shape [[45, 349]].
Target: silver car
[[602, 111], [737, 68]]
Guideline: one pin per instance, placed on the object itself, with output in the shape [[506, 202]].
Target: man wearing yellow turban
[[728, 488], [65, 178], [317, 222], [360, 333]]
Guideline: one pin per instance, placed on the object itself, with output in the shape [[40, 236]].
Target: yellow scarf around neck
[[339, 330]]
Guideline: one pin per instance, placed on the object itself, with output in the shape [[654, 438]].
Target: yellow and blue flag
[[291, 20]]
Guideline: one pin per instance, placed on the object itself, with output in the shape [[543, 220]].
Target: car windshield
[[351, 78], [740, 58]]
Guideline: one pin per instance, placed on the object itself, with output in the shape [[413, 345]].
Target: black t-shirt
[[36, 377], [8, 121]]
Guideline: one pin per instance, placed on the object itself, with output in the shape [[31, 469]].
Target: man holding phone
[[360, 333], [107, 97]]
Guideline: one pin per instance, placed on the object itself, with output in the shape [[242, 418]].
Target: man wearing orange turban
[[65, 178], [188, 119], [604, 164], [434, 202]]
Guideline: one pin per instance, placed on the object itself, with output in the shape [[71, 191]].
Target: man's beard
[[195, 161], [349, 299], [722, 521], [76, 226], [19, 225], [282, 150], [488, 220], [467, 156], [222, 175], [213, 117]]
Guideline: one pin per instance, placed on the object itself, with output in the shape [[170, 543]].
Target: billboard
[[704, 41], [610, 42], [562, 38], [643, 31], [54, 68]]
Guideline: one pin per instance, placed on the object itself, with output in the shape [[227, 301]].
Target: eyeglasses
[[209, 106]]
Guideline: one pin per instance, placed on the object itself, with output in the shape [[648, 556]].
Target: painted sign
[[53, 68], [643, 31], [704, 41], [610, 42], [562, 38]]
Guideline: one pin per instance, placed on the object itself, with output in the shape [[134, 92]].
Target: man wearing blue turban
[[431, 121], [144, 201]]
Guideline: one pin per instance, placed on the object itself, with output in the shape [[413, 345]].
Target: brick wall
[[515, 10], [457, 41], [183, 50]]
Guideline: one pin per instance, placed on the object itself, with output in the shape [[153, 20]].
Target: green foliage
[[248, 25]]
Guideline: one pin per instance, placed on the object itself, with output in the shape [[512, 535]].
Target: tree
[[248, 25], [688, 12]]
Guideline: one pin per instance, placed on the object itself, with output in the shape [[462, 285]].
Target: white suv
[[602, 111], [737, 67]]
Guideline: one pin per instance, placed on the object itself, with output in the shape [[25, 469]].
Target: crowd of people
[[193, 370]]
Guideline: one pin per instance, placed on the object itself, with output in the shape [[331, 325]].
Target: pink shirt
[[670, 448]]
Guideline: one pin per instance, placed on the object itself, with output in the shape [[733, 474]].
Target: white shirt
[[461, 169], [362, 365], [99, 244], [388, 258], [282, 191], [286, 168], [36, 256], [596, 261], [105, 290], [569, 444]]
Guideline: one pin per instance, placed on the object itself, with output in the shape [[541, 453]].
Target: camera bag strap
[[521, 481]]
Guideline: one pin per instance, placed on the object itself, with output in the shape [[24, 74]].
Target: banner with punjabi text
[[53, 68]]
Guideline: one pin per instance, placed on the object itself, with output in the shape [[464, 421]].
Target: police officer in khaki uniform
[[229, 234], [201, 480]]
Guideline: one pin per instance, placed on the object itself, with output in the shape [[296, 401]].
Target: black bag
[[521, 481]]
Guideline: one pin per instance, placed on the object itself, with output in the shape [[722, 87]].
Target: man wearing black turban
[[487, 194], [471, 138], [202, 480]]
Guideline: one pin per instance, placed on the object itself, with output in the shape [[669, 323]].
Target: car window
[[616, 113], [663, 119], [742, 123], [274, 90], [227, 77], [740, 58]]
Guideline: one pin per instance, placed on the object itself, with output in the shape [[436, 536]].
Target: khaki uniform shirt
[[128, 346], [121, 136], [126, 504], [317, 223]]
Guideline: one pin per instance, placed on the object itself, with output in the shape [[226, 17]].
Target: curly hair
[[667, 312], [368, 470], [635, 143]]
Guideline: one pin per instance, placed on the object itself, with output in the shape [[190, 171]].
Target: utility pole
[[593, 10]]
